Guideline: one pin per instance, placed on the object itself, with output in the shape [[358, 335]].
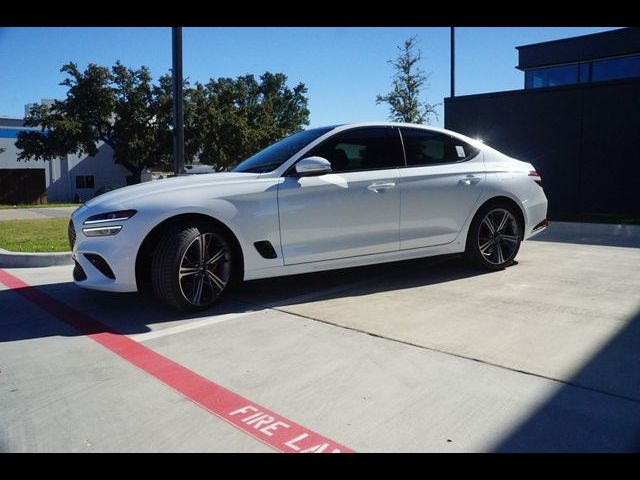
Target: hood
[[126, 195]]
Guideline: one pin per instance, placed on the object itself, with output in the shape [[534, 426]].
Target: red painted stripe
[[259, 422]]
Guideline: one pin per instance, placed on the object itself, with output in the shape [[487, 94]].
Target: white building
[[58, 180]]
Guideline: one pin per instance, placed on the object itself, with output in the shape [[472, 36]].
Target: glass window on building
[[551, 76], [585, 72], [615, 68], [84, 181]]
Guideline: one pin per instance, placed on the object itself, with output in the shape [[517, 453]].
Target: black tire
[[183, 265], [493, 243]]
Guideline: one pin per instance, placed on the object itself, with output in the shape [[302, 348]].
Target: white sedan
[[324, 198]]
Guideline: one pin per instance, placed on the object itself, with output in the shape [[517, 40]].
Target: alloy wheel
[[498, 236], [205, 269]]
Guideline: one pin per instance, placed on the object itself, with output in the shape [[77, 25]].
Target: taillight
[[536, 177]]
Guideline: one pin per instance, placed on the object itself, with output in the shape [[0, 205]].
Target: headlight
[[101, 231], [110, 217]]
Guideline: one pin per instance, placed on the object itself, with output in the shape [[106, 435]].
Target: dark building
[[577, 120]]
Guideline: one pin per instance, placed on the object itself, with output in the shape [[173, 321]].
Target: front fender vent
[[265, 249]]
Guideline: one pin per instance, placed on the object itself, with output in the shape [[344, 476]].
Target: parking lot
[[425, 355]]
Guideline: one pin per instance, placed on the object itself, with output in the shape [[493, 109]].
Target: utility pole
[[178, 102], [453, 62]]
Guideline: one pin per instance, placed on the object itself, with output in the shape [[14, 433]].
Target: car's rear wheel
[[192, 267], [494, 237]]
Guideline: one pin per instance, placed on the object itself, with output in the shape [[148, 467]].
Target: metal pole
[[453, 62], [178, 102]]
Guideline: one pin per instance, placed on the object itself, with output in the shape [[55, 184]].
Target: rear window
[[424, 147]]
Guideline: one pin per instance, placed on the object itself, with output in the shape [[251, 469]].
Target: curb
[[609, 234], [25, 259]]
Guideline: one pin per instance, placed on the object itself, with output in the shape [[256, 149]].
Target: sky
[[344, 68]]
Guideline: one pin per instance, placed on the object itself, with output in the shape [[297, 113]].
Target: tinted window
[[370, 148], [84, 181], [585, 72], [275, 155], [551, 76], [423, 147], [625, 67]]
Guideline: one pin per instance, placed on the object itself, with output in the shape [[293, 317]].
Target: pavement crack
[[444, 352]]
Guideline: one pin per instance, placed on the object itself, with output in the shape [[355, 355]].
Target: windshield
[[275, 155]]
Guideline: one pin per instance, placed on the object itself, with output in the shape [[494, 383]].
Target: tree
[[229, 119], [116, 106], [404, 100], [225, 120]]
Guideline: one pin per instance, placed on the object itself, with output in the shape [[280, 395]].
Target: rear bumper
[[536, 210], [539, 228]]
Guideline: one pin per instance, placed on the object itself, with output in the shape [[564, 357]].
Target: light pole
[[453, 62], [178, 102]]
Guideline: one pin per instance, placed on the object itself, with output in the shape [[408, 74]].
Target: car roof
[[347, 126], [392, 124]]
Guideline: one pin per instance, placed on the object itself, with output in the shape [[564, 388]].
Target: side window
[[423, 147], [84, 181], [369, 148]]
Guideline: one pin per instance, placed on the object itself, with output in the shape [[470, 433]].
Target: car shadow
[[606, 387], [132, 313], [358, 281]]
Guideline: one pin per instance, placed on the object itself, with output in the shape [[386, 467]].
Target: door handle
[[381, 187], [470, 180]]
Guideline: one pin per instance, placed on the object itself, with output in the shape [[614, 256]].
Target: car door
[[440, 185], [354, 210]]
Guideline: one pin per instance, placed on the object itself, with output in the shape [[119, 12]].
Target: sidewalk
[[35, 213]]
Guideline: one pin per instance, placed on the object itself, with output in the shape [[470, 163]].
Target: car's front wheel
[[192, 267], [494, 237]]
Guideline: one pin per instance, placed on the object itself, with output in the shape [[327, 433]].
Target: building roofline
[[618, 42], [543, 90], [570, 39]]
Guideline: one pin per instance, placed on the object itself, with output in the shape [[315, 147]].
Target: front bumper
[[104, 263]]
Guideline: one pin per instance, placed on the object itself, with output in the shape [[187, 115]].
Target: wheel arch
[[147, 247], [502, 199]]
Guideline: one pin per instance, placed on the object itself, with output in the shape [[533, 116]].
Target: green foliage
[[404, 100], [226, 120], [229, 119]]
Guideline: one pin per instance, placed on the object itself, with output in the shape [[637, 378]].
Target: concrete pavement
[[427, 355], [548, 315]]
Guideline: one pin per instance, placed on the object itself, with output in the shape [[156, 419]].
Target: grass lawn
[[41, 235], [4, 206]]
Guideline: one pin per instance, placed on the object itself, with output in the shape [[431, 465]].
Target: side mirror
[[313, 166]]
